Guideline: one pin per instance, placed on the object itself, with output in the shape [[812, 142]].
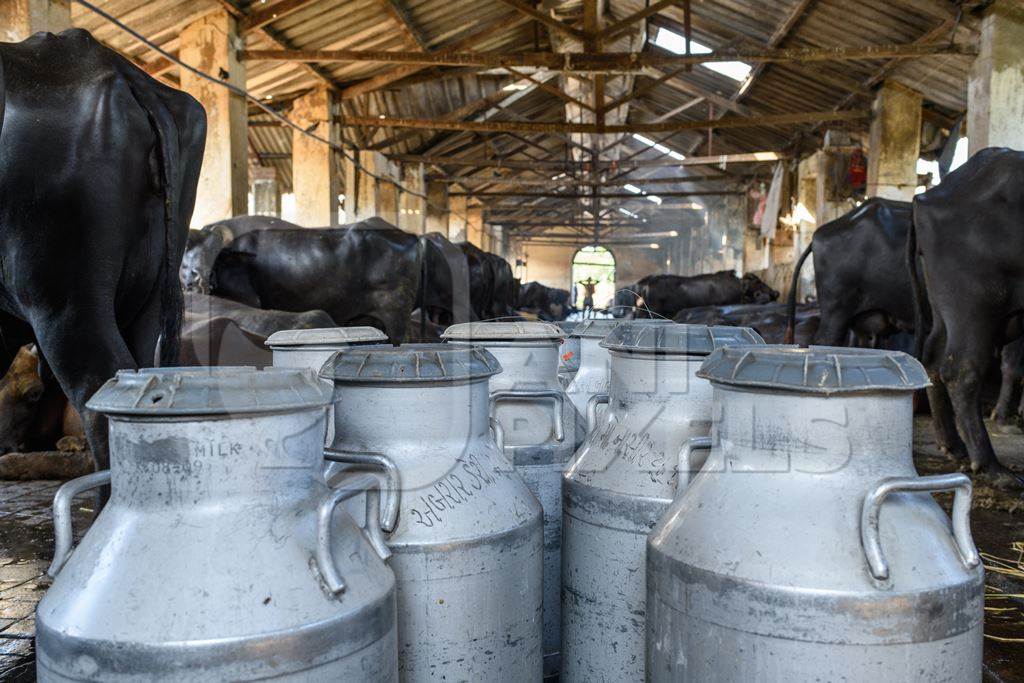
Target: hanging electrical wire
[[242, 92]]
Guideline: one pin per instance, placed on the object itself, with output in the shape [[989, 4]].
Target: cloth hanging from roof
[[773, 204]]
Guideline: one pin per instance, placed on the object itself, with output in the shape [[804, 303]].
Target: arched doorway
[[595, 265]]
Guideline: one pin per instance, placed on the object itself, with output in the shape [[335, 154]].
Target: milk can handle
[[63, 534], [557, 396], [371, 483], [869, 537], [499, 433], [595, 400], [391, 499], [687, 460]]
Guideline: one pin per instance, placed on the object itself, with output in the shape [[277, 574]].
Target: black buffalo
[[445, 287], [481, 280], [366, 273], [666, 295], [99, 165], [965, 253], [860, 273], [547, 303], [504, 295], [204, 245], [768, 320]]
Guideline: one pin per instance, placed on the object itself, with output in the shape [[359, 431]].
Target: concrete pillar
[[21, 18], [387, 199], [266, 192], [895, 142], [436, 210], [995, 90], [457, 219], [210, 44], [412, 214], [316, 178], [475, 226], [365, 196]]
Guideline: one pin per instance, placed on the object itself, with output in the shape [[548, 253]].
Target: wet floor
[[997, 522]]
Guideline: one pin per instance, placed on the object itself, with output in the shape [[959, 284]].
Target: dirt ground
[[997, 521]]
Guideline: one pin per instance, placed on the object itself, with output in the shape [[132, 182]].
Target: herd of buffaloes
[[99, 165]]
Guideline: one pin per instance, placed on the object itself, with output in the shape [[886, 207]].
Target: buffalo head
[[20, 391], [756, 291], [200, 255]]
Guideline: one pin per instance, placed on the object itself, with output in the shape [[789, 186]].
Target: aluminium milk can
[[619, 484], [222, 554], [468, 541], [541, 432], [592, 361], [569, 355], [808, 548], [310, 349]]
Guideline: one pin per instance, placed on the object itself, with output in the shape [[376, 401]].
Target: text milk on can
[[619, 484], [222, 554], [467, 542], [311, 348], [541, 431], [808, 548]]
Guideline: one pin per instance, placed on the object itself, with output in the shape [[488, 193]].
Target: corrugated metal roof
[[698, 94]]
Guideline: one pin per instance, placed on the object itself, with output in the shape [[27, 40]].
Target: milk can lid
[[410, 363], [677, 339], [568, 326], [326, 336], [209, 391], [814, 370], [595, 328], [502, 331]]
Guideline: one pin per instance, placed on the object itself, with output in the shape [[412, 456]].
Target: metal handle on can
[[391, 499], [556, 396], [961, 520], [688, 463], [592, 404], [368, 482], [499, 433], [63, 534]]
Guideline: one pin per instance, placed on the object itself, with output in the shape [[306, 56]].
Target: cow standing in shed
[[98, 171], [965, 253]]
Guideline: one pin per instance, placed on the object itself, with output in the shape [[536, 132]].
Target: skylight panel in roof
[[673, 42]]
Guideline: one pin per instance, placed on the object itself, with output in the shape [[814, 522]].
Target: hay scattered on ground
[[1005, 610]]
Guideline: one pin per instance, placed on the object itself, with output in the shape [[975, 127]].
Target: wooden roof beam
[[270, 13], [614, 30], [566, 127], [611, 62], [546, 19]]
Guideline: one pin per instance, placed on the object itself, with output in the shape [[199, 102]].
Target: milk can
[[468, 543], [541, 429], [310, 349], [591, 376], [808, 548], [222, 554], [619, 484], [569, 355]]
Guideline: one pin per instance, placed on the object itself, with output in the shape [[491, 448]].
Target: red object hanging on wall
[[858, 174]]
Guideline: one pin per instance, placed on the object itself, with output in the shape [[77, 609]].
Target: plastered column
[[21, 18], [210, 44], [412, 215], [895, 142], [995, 90], [436, 209], [457, 219], [316, 177]]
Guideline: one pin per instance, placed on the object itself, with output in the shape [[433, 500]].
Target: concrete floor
[[26, 546]]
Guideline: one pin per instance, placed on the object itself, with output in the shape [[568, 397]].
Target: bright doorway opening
[[593, 278]]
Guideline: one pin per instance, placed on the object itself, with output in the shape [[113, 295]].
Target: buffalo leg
[[962, 369], [84, 350], [943, 418], [1010, 373], [832, 330], [142, 335]]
